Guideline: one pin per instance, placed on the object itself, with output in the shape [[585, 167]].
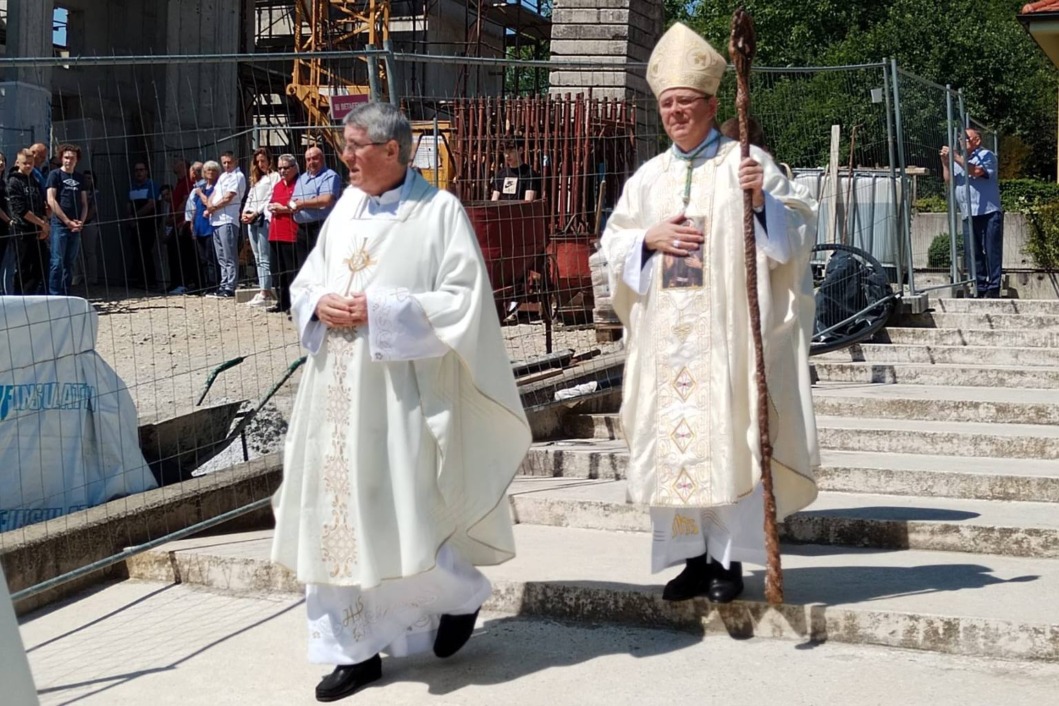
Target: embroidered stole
[[683, 344]]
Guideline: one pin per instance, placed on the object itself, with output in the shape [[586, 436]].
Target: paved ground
[[145, 643]]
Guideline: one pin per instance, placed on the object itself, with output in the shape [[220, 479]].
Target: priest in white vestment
[[674, 246], [407, 428], [15, 678]]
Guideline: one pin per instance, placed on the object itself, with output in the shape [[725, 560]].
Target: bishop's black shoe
[[693, 581], [453, 633], [726, 584], [348, 678]]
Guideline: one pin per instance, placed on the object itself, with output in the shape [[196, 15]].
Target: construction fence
[[139, 393]]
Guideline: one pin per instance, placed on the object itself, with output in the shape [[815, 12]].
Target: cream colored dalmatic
[[689, 401], [405, 433]]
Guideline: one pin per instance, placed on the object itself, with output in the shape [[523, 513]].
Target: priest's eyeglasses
[[679, 102], [361, 146]]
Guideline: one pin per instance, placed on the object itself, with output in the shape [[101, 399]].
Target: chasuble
[[406, 432], [15, 675], [689, 401]]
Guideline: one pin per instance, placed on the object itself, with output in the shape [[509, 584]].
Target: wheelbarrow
[[176, 446]]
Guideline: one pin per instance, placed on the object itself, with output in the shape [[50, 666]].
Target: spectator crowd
[[180, 239]]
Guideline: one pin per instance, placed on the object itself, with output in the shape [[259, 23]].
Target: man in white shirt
[[224, 217]]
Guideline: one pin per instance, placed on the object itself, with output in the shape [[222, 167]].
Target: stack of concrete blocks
[[614, 38], [603, 312]]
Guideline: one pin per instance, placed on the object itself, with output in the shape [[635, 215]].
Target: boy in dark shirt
[[68, 201], [516, 180]]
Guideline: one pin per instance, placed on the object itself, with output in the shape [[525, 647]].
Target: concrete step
[[1031, 480], [905, 436], [1031, 307], [945, 355], [958, 477], [1018, 338], [983, 320], [912, 436], [939, 403], [1010, 376], [930, 402], [847, 519], [994, 607]]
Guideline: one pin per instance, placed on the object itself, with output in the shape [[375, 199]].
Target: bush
[[932, 204], [938, 254], [1039, 202], [1043, 241], [1016, 195]]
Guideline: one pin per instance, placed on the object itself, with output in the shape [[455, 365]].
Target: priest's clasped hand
[[336, 311], [752, 178], [674, 236]]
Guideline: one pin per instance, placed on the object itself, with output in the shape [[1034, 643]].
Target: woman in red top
[[286, 257]]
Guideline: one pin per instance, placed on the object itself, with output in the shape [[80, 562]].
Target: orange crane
[[328, 26]]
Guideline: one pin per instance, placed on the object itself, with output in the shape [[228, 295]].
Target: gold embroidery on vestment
[[683, 435], [338, 543], [359, 264], [682, 323], [684, 384], [684, 526]]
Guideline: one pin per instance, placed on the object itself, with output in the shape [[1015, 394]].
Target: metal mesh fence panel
[[933, 117], [146, 403]]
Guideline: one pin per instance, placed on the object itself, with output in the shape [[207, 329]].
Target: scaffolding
[[516, 29]]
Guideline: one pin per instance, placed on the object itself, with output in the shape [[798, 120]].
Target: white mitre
[[683, 59]]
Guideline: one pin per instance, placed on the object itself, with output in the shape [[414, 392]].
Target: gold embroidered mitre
[[683, 59]]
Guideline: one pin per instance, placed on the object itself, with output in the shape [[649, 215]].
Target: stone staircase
[[937, 526], [940, 452]]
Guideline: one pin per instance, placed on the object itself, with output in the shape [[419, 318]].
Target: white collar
[[388, 202]]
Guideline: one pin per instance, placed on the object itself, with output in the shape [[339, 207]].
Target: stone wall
[[614, 33], [925, 226], [1022, 278]]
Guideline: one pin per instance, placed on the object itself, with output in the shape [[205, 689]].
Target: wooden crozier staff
[[741, 48]]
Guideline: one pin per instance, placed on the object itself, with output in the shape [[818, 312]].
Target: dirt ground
[[166, 347]]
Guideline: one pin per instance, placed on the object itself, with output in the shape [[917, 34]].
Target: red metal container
[[513, 239], [570, 277]]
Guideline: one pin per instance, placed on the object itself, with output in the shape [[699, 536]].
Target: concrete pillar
[[615, 32], [202, 101], [25, 94]]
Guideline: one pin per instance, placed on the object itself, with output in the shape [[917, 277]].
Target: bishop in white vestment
[[407, 428], [674, 245]]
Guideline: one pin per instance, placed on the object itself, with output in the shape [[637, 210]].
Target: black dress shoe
[[693, 581], [347, 678], [453, 633], [726, 584]]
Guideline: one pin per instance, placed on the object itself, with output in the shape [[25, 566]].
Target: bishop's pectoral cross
[[358, 262]]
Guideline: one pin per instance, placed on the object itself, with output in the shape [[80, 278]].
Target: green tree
[[976, 45]]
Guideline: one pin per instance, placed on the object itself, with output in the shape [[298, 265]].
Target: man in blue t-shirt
[[68, 202], [143, 203], [978, 194], [315, 194]]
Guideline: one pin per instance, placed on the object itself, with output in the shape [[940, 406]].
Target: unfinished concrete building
[[275, 72]]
